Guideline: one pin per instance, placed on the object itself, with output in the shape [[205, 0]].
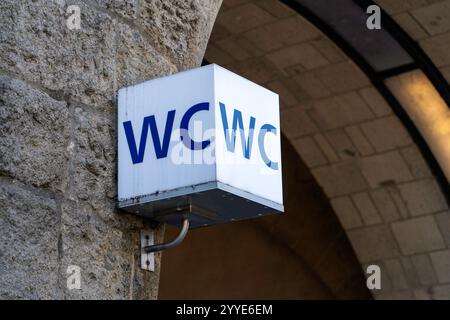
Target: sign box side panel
[[244, 168], [158, 99]]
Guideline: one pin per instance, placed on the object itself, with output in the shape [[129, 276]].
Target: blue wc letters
[[161, 147]]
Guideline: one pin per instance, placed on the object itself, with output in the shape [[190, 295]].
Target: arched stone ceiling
[[428, 23], [373, 173]]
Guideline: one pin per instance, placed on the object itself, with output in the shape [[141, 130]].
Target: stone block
[[128, 9], [396, 274], [421, 294], [366, 208], [340, 111], [242, 47], [441, 263], [42, 49], [385, 205], [234, 3], [259, 37], [418, 235], [441, 292], [180, 29], [213, 53], [424, 269], [93, 153], [416, 162], [282, 33], [295, 123], [373, 243], [443, 221], [326, 148], [384, 169], [34, 130], [332, 77], [341, 144], [411, 26], [434, 18], [328, 50], [410, 272], [303, 54], [386, 133], [423, 197], [136, 60], [219, 32], [396, 196], [437, 48], [276, 8], [346, 212], [359, 140], [393, 7], [107, 254], [234, 47], [286, 96], [375, 101], [311, 85], [243, 18], [29, 254], [340, 179], [256, 70], [309, 152]]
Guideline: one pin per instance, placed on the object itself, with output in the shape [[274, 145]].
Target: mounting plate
[[147, 259]]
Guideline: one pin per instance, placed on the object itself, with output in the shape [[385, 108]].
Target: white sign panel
[[200, 136]]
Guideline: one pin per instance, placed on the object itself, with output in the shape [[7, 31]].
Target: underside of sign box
[[206, 204]]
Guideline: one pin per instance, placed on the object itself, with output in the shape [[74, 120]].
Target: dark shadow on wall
[[302, 254]]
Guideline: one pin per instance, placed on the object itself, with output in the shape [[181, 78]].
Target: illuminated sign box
[[206, 139]]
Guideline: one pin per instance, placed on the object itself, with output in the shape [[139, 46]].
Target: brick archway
[[372, 171]]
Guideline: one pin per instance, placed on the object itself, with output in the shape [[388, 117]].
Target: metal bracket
[[147, 258], [148, 248]]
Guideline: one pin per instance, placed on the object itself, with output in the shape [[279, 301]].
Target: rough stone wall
[[58, 137]]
